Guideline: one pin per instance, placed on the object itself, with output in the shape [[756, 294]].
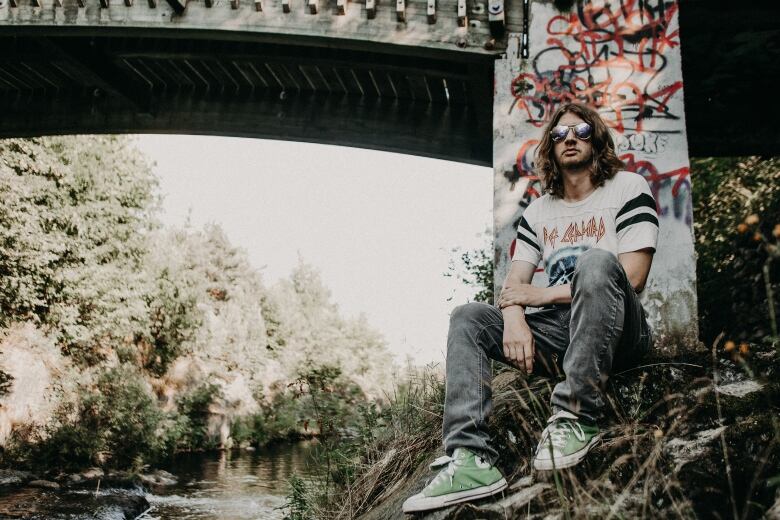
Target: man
[[595, 229]]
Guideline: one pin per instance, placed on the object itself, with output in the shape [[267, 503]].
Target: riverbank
[[690, 437]]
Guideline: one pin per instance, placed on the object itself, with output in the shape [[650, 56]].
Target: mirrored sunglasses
[[582, 131]]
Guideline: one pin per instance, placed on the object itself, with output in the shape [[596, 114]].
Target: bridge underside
[[430, 102], [423, 105]]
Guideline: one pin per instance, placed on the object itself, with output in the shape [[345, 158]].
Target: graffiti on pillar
[[616, 64], [622, 57], [612, 57]]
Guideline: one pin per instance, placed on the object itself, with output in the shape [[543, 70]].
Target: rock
[[159, 478], [11, 477], [685, 451], [75, 478], [774, 512], [62, 505], [511, 506], [739, 388], [46, 484], [93, 473]]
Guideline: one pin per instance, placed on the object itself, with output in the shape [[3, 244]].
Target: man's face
[[572, 153]]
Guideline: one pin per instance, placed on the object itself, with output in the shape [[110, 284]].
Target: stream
[[233, 485]]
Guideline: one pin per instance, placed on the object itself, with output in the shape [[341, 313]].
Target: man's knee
[[469, 312], [596, 268]]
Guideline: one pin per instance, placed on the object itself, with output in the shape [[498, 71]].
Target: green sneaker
[[466, 477], [565, 442]]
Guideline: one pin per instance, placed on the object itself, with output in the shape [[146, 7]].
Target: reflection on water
[[231, 485], [218, 485]]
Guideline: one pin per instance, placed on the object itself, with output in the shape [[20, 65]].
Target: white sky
[[378, 226]]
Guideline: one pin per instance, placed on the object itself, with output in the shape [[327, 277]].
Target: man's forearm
[[513, 313], [529, 295], [558, 294]]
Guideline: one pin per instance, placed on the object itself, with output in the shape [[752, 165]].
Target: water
[[233, 485], [230, 485]]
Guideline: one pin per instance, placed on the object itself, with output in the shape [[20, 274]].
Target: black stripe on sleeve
[[641, 217], [526, 226], [643, 199], [529, 241]]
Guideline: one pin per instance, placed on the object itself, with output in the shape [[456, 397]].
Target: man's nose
[[570, 136]]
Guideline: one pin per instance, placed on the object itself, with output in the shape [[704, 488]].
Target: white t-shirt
[[618, 217]]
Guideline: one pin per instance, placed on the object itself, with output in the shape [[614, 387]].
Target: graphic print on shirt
[[618, 217], [575, 233], [560, 266]]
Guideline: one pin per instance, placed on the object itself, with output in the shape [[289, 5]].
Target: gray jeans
[[604, 328]]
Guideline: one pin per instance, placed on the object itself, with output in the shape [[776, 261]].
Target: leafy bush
[[195, 408], [114, 423], [729, 258]]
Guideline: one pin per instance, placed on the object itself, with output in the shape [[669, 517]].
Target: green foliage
[[5, 382], [114, 423], [296, 504], [475, 270], [729, 259], [195, 407], [175, 318], [140, 307], [72, 225], [329, 398], [251, 430], [407, 425]]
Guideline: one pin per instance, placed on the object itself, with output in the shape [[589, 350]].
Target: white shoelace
[[559, 432], [449, 471]]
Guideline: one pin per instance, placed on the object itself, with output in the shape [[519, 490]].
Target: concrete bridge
[[464, 80], [412, 76]]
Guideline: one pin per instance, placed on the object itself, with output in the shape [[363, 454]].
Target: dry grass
[[635, 472]]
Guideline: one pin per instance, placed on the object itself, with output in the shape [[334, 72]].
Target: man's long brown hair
[[605, 161]]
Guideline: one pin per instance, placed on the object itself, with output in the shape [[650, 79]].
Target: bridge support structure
[[626, 65]]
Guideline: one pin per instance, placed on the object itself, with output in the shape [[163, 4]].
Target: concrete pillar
[[622, 58]]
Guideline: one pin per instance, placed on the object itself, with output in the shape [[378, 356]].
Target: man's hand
[[519, 343], [525, 295]]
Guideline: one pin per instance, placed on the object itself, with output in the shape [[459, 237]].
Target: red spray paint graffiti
[[612, 56], [624, 44]]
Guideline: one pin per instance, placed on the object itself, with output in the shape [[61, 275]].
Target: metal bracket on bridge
[[313, 6], [462, 17], [178, 5], [371, 9], [285, 6], [400, 10], [496, 18], [341, 7], [431, 12]]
